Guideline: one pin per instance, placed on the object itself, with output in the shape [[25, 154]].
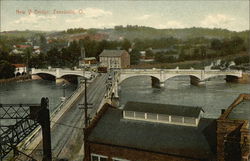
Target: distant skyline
[[61, 15]]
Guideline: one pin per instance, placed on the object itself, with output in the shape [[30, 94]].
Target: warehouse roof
[[112, 53], [194, 142]]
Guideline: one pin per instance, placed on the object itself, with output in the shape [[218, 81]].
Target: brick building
[[115, 59], [233, 133], [150, 132]]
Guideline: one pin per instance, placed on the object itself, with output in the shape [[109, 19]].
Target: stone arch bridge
[[59, 74], [159, 76]]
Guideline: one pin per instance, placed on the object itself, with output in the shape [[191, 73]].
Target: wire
[[80, 128]]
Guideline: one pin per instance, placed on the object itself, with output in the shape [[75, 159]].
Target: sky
[[61, 15]]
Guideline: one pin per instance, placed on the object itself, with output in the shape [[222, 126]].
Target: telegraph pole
[[85, 104], [85, 107]]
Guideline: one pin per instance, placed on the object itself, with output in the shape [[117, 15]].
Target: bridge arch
[[155, 81], [73, 74], [182, 75], [72, 78], [233, 76], [18, 74], [46, 76]]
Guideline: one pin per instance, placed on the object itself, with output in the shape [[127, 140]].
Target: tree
[[216, 44], [6, 70], [135, 57], [126, 44]]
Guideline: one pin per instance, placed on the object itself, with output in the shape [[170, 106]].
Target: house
[[23, 46], [88, 61], [20, 69], [233, 134], [115, 59], [150, 132], [36, 49]]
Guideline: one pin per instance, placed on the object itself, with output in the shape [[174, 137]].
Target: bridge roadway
[[67, 133]]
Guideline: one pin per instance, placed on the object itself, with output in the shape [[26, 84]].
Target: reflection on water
[[212, 97]]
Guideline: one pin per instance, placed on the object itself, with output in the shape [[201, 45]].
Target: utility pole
[[85, 104], [86, 118]]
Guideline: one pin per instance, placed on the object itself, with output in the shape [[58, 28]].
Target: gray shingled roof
[[176, 110], [111, 53], [195, 142]]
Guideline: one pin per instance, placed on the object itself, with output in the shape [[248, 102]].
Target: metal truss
[[15, 111], [14, 134], [15, 125]]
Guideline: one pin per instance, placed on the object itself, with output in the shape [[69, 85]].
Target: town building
[[150, 132], [86, 62], [233, 134], [115, 59], [20, 69]]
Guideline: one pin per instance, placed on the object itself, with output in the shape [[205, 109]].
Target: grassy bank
[[15, 79]]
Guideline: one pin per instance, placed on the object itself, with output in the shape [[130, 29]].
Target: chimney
[[222, 111]]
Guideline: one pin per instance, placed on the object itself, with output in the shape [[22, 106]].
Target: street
[[67, 134]]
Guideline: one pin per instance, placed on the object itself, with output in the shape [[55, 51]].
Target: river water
[[212, 97], [31, 92]]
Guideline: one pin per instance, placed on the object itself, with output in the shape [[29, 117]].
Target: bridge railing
[[177, 71]]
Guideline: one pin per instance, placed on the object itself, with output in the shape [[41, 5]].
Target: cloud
[[217, 20], [77, 20], [96, 13], [171, 24], [143, 17], [34, 19]]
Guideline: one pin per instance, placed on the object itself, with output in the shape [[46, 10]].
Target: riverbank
[[16, 79]]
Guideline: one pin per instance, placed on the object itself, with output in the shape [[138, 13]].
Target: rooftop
[[90, 58], [177, 110], [112, 53], [193, 142], [19, 65]]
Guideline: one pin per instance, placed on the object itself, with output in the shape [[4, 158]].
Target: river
[[31, 92], [212, 97]]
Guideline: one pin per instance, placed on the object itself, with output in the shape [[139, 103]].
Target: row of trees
[[6, 70], [69, 56]]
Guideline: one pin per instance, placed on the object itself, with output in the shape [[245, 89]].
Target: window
[[95, 157], [189, 120], [103, 159], [129, 114], [164, 118], [119, 159], [151, 116], [140, 115], [176, 119]]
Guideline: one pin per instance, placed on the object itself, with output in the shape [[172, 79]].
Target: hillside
[[137, 32]]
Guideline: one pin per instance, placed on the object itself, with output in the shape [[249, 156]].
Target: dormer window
[[170, 114]]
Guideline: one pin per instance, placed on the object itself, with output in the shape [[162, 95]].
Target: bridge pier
[[35, 77], [244, 79], [156, 83], [196, 81], [61, 81]]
